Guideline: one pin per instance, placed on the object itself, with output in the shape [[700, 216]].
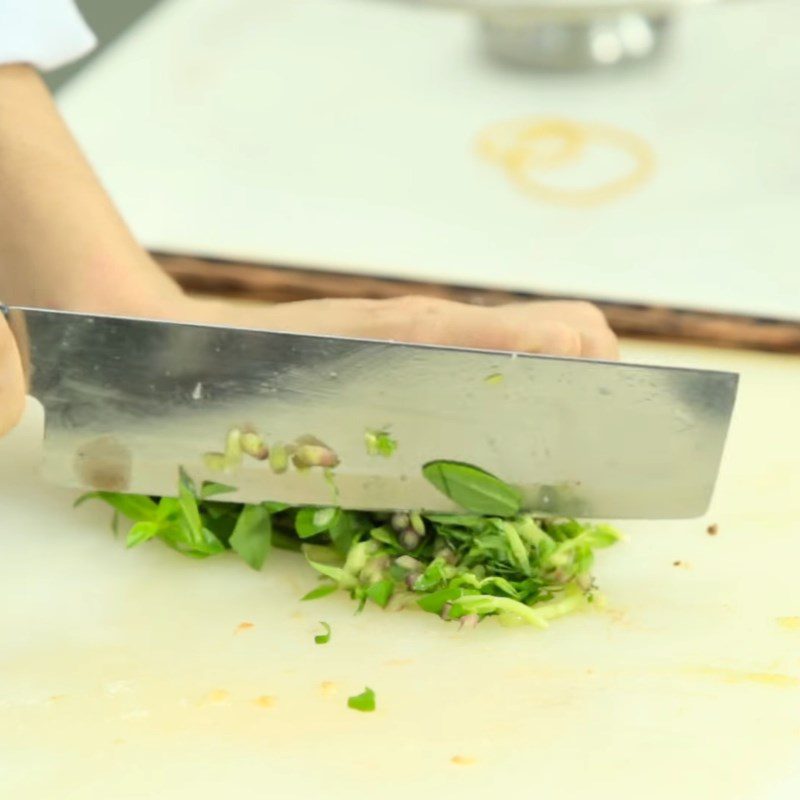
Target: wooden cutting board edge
[[273, 284]]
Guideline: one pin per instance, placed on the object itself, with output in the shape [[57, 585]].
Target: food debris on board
[[463, 761], [380, 443], [244, 626], [216, 697], [364, 702], [323, 638], [265, 701], [735, 676], [712, 530]]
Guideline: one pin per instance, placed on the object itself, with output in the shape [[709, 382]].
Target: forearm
[[62, 243]]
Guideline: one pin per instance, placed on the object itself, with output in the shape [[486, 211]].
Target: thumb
[[12, 385]]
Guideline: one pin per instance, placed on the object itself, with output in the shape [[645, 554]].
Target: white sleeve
[[44, 33]]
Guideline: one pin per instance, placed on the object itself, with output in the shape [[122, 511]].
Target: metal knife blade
[[128, 401]]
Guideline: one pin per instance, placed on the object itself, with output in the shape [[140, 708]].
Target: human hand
[[83, 258], [557, 328], [12, 386]]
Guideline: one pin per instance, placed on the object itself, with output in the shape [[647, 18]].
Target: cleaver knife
[[128, 402]]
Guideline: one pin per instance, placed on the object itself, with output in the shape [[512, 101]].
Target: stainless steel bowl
[[573, 34]]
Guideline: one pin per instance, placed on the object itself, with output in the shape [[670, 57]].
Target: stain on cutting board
[[535, 153], [738, 676]]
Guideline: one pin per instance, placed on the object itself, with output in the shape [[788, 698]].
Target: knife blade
[[129, 401]]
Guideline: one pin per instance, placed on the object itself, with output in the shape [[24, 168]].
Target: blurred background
[[638, 153], [108, 19]]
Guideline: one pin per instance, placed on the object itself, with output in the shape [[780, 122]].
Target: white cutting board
[[340, 134], [121, 675]]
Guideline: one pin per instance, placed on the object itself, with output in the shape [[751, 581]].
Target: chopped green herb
[[491, 561], [380, 443], [362, 702], [494, 379], [323, 638]]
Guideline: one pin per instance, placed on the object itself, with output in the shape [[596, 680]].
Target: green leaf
[[321, 591], [177, 536], [313, 521], [380, 443], [381, 592], [458, 520], [347, 527], [337, 574], [275, 508], [323, 638], [136, 507], [362, 702], [141, 532], [187, 499], [473, 489], [168, 508], [212, 488], [384, 535], [252, 535], [84, 498]]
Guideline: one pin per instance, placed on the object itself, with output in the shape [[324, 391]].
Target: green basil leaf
[[136, 507], [473, 489], [312, 521], [275, 508], [187, 499], [346, 528], [252, 535]]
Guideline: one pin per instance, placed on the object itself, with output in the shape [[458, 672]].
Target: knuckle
[[588, 311], [563, 339]]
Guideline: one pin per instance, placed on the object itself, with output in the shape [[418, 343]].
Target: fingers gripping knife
[[127, 402]]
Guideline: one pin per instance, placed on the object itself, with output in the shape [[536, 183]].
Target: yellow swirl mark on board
[[529, 149]]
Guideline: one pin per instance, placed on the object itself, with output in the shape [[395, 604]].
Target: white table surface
[[340, 134]]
